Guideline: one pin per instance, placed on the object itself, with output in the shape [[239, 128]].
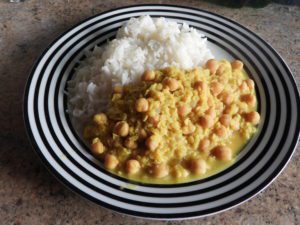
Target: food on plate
[[142, 44], [155, 106], [176, 125]]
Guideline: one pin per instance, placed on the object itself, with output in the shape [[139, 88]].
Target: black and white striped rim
[[261, 161]]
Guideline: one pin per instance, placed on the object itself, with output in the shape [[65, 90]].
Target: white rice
[[142, 43]]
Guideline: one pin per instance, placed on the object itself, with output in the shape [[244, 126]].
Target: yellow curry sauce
[[176, 125]]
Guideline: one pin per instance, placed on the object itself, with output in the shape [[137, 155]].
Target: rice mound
[[142, 43]]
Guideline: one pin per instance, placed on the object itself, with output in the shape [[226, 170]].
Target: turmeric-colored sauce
[[176, 125]]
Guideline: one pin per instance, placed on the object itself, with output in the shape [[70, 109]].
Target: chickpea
[[130, 143], [100, 119], [142, 134], [171, 83], [141, 105], [188, 129], [198, 166], [97, 147], [110, 161], [148, 75], [249, 99], [243, 87], [118, 89], [121, 128], [179, 172], [199, 104], [211, 112], [216, 88], [160, 170], [204, 145], [206, 121], [225, 120], [152, 142], [231, 109], [227, 110], [237, 65], [220, 71], [212, 65], [223, 153], [220, 131], [154, 120], [219, 107], [183, 110], [226, 97], [132, 166], [250, 84], [190, 139], [252, 117], [199, 85]]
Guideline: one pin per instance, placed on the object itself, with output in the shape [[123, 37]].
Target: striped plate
[[261, 161]]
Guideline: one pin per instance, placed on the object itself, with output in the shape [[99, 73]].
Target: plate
[[264, 157]]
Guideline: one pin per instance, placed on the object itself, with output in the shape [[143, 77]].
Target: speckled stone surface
[[29, 194]]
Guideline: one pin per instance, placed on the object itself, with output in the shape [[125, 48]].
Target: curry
[[176, 125]]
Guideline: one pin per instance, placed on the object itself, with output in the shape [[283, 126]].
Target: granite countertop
[[29, 194]]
